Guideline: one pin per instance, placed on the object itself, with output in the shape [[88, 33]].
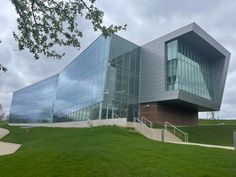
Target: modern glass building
[[170, 79], [101, 82]]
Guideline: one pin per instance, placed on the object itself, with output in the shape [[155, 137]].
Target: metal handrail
[[146, 121], [115, 116], [136, 119], [144, 126], [166, 124]]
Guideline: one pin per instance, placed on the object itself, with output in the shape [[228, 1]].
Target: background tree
[[46, 24], [2, 113]]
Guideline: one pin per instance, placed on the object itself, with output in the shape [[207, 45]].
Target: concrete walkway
[[155, 134], [204, 145], [7, 148], [3, 132]]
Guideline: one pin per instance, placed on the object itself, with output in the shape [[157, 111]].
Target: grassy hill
[[2, 123], [107, 152], [216, 122], [218, 132], [208, 134]]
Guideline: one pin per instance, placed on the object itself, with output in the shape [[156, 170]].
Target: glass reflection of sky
[[187, 70]]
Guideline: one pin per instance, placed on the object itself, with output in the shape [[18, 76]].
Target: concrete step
[[169, 137], [154, 133]]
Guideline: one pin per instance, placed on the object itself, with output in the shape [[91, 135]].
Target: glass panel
[[126, 77], [34, 103], [188, 70], [81, 83]]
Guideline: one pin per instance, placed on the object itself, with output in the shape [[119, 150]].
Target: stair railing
[[115, 116], [146, 121], [144, 128], [177, 132]]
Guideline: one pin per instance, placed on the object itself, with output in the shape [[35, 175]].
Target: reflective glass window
[[188, 70]]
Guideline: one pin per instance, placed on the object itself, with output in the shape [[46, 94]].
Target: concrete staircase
[[144, 126], [169, 137]]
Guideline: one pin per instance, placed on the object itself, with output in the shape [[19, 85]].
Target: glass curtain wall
[[101, 81], [34, 103], [81, 84], [122, 83], [188, 70]]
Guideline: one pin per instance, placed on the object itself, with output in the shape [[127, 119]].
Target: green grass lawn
[[106, 152], [216, 122], [208, 134], [2, 123], [216, 132]]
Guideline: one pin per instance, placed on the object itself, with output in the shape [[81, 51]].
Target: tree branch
[[45, 23], [16, 2]]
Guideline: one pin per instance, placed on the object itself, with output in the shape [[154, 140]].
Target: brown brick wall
[[159, 113]]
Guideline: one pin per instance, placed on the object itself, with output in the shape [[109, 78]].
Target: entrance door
[[135, 113]]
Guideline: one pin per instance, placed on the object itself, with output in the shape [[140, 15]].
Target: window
[[188, 70]]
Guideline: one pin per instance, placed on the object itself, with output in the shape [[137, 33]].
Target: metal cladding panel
[[152, 73], [153, 68], [221, 65], [202, 104]]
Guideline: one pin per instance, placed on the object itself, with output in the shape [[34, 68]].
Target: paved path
[[3, 132], [7, 148], [205, 145], [169, 137]]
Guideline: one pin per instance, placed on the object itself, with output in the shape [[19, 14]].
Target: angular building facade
[[169, 79]]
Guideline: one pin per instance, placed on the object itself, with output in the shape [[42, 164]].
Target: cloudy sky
[[146, 21]]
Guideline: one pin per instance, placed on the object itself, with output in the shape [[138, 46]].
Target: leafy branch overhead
[[2, 68], [44, 24]]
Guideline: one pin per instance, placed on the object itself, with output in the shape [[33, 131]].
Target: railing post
[[235, 139], [162, 134], [143, 129], [184, 136], [165, 125]]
